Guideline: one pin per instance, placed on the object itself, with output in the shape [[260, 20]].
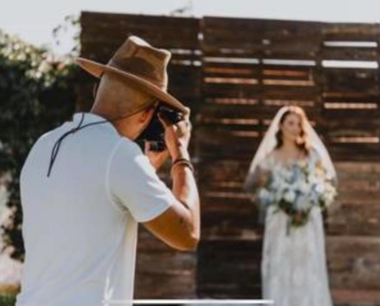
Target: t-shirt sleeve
[[134, 185]]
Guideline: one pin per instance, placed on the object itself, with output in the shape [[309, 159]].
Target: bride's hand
[[300, 217]]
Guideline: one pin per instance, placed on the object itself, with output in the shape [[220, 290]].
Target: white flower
[[290, 196], [265, 197], [302, 186], [276, 182], [263, 193], [44, 67], [329, 194], [320, 187]]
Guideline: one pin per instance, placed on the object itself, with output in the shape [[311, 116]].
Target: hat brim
[[96, 69]]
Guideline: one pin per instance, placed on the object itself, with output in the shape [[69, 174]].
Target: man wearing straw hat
[[87, 184]]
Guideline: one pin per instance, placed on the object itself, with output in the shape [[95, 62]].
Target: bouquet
[[296, 190]]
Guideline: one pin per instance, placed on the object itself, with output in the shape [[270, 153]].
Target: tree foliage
[[37, 93]]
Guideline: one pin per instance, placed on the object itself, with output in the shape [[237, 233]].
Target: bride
[[293, 267]]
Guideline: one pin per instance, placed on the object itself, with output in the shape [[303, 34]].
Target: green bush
[[7, 300], [37, 93]]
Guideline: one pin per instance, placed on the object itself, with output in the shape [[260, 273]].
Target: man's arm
[[179, 226]]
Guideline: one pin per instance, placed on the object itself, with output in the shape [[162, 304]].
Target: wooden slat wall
[[244, 84], [351, 127], [235, 74], [250, 69], [351, 97]]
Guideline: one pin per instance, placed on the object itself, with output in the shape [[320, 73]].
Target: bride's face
[[291, 127]]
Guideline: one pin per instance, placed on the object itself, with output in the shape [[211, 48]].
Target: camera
[[154, 133]]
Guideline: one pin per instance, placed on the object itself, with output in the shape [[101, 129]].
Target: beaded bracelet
[[183, 161]]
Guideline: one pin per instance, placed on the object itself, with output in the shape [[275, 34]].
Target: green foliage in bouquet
[[37, 93]]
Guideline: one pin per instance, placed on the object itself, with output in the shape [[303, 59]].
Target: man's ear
[[147, 114]]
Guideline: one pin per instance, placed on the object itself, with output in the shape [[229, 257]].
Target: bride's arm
[[256, 180]]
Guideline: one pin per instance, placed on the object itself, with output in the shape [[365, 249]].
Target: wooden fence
[[235, 74]]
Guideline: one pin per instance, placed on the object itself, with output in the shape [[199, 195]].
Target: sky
[[34, 21]]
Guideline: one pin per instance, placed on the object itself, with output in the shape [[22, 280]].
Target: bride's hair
[[303, 140]]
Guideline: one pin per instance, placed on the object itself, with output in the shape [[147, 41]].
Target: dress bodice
[[271, 164]]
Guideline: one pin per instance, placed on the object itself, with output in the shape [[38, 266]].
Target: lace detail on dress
[[294, 271]]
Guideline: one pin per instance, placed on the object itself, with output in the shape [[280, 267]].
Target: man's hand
[[177, 136], [157, 159], [179, 226]]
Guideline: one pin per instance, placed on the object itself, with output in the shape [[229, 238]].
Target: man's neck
[[121, 125]]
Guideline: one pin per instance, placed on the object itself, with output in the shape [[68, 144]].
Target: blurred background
[[235, 63]]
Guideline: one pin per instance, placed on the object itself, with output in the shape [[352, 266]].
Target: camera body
[[155, 131]]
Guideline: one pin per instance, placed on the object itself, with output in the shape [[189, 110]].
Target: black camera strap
[[80, 126], [57, 145]]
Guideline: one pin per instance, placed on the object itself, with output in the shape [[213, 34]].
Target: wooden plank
[[156, 286], [355, 119], [230, 226], [168, 263], [351, 118], [349, 53], [354, 151], [172, 42], [351, 80], [229, 267], [292, 91], [257, 27], [232, 47], [356, 297], [344, 96], [228, 204], [351, 31], [354, 262], [220, 47], [226, 291], [224, 170], [102, 51], [255, 113], [184, 81], [187, 38], [231, 72], [355, 219], [358, 183], [237, 128], [292, 49], [359, 171], [253, 92]]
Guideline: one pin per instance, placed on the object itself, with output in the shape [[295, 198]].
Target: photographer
[[87, 184]]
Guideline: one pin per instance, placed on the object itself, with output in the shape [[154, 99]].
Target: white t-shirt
[[80, 224]]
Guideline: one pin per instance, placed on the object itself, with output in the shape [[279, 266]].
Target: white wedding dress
[[294, 271]]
